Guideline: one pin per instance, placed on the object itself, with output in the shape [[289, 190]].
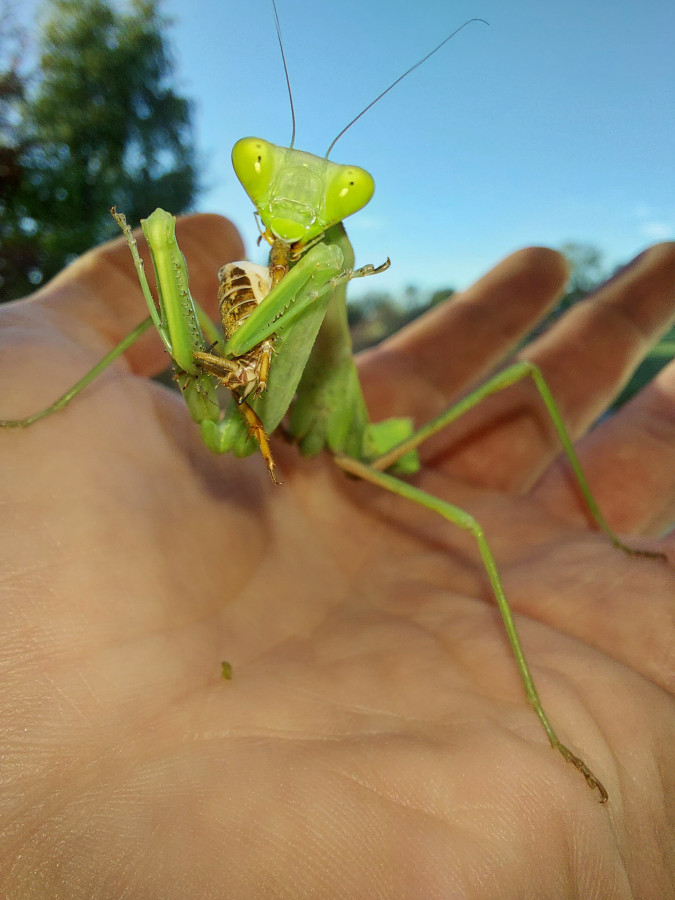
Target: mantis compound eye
[[255, 162], [348, 190]]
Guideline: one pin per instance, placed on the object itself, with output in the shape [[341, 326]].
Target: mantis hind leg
[[514, 373], [464, 520], [93, 373]]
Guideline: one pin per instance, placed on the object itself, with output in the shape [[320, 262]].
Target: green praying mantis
[[284, 355]]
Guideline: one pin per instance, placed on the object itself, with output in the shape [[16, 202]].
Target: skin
[[374, 741]]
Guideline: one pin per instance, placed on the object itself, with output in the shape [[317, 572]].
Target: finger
[[508, 440], [590, 354], [586, 357], [420, 370], [630, 462], [99, 296]]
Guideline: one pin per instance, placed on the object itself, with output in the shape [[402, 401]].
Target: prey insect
[[285, 353]]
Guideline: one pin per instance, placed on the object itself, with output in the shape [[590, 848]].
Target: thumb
[[99, 294]]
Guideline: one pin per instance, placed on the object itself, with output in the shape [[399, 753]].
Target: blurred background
[[554, 125]]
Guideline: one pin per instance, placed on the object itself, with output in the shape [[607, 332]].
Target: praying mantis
[[284, 358]]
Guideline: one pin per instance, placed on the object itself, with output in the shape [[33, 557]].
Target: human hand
[[374, 740]]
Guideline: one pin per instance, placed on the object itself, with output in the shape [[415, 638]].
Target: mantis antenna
[[288, 80], [394, 83]]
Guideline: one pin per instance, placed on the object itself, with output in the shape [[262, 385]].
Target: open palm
[[374, 741]]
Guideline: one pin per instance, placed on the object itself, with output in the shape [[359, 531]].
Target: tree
[[12, 90], [16, 255], [587, 271], [103, 127], [440, 295]]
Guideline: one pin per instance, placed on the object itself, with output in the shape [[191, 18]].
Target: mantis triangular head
[[298, 195]]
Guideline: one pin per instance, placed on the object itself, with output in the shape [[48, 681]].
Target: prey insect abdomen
[[242, 287], [240, 290]]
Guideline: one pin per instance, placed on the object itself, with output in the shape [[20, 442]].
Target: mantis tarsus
[[292, 351]]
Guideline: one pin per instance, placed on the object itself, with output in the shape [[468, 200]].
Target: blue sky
[[554, 124]]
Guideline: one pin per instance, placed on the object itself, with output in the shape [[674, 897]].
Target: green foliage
[[587, 272], [103, 127], [15, 253], [649, 368]]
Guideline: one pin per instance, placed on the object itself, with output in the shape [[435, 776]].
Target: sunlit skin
[[374, 740]]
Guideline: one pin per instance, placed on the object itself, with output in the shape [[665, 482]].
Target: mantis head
[[298, 195]]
